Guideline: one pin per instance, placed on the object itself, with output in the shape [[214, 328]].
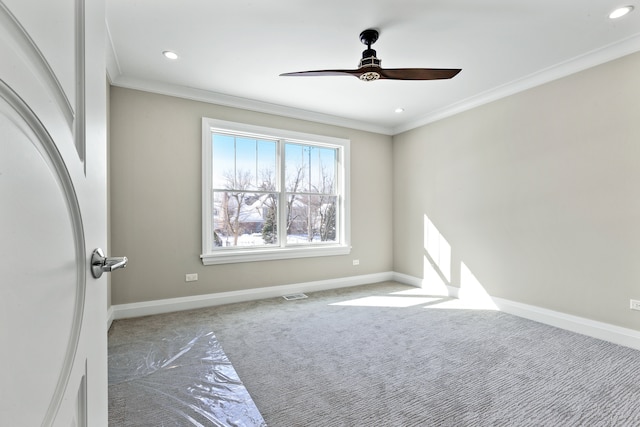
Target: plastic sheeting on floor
[[175, 381]]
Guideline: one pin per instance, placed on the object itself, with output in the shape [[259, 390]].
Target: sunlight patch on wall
[[438, 249], [436, 271], [432, 281], [472, 293]]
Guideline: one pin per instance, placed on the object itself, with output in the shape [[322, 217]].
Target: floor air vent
[[294, 297]]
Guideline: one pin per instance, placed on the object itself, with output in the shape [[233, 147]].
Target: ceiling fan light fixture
[[170, 55], [369, 76], [399, 110], [620, 12]]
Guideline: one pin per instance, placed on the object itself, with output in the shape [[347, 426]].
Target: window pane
[[295, 168], [310, 169], [243, 219], [241, 163], [266, 166], [322, 170], [245, 164], [311, 218], [223, 152]]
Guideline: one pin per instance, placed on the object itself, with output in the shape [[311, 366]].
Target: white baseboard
[[110, 315], [123, 311], [435, 288], [605, 331]]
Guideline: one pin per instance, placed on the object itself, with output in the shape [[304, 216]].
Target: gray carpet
[[380, 355]]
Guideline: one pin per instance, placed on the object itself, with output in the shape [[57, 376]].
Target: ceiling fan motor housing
[[369, 59], [369, 62]]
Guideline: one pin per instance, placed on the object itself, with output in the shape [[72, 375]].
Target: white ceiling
[[232, 52]]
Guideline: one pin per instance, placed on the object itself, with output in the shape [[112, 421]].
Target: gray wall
[[156, 209], [536, 194]]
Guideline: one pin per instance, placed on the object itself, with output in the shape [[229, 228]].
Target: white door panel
[[53, 25], [53, 213], [42, 252]]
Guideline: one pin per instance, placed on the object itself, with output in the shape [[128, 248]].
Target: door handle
[[100, 263]]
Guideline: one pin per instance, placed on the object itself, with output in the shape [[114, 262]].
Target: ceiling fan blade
[[325, 73], [418, 73]]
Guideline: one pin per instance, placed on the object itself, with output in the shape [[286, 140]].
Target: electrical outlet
[[191, 277], [634, 304], [356, 262]]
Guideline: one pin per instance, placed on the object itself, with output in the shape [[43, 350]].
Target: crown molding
[[113, 66], [244, 103], [555, 72]]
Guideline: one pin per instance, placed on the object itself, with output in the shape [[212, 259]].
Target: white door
[[53, 351]]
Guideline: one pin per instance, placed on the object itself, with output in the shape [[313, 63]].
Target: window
[[272, 194]]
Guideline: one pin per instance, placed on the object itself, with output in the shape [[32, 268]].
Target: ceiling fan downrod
[[369, 58]]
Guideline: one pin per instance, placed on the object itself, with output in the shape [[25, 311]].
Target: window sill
[[252, 255]]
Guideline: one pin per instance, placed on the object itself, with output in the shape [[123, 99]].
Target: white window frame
[[248, 254]]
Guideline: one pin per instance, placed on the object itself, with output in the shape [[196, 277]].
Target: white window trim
[[271, 253]]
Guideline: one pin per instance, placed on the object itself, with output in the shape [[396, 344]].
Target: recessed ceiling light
[[620, 12], [399, 110], [170, 55]]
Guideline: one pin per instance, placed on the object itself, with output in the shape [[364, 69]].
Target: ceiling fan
[[369, 68]]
